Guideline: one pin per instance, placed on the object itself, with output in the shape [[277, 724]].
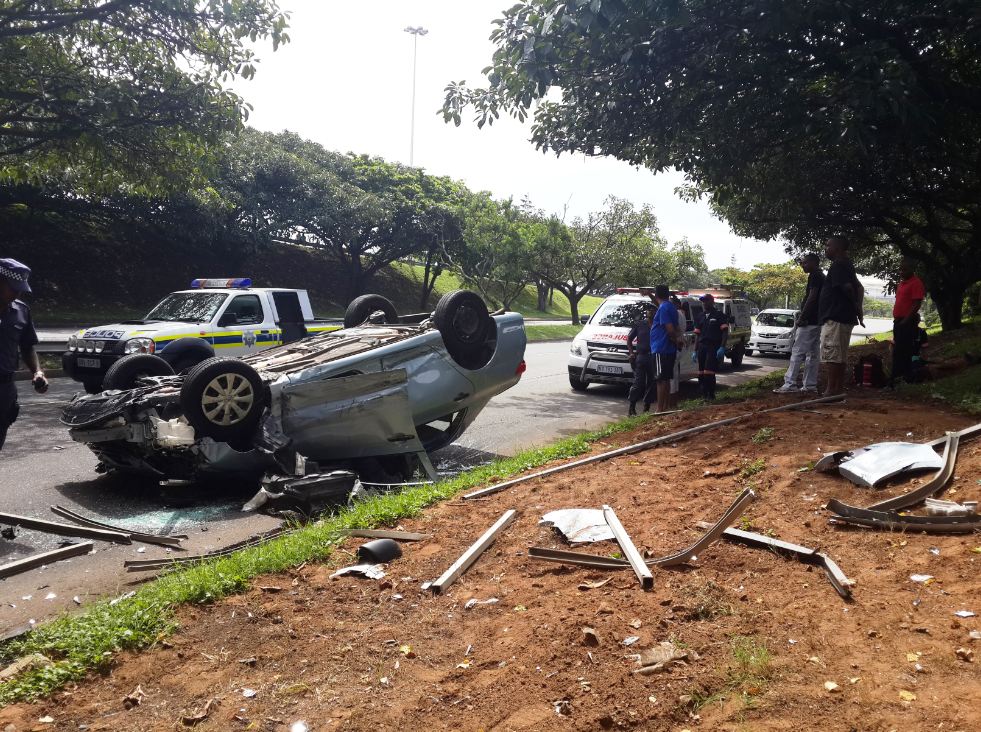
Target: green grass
[[89, 640], [551, 332], [752, 468], [526, 303], [960, 391], [763, 435], [748, 672]]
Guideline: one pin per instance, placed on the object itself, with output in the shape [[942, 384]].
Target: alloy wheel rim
[[227, 399]]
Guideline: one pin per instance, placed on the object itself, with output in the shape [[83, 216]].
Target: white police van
[[216, 317], [599, 352]]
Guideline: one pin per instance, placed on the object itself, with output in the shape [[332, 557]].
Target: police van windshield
[[188, 307], [776, 320], [620, 314]]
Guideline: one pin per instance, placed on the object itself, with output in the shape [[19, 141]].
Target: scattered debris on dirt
[[733, 628]]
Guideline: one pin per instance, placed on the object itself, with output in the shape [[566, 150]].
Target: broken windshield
[[194, 307], [621, 314], [776, 320]]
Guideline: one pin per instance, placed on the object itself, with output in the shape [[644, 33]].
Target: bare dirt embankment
[[763, 634]]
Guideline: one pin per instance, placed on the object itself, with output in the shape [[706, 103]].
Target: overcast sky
[[345, 81]]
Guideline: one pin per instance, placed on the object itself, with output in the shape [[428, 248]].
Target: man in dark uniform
[[640, 360], [711, 334], [17, 339]]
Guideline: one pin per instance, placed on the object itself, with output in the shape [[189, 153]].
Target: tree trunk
[[430, 275], [574, 298], [949, 300], [542, 289]]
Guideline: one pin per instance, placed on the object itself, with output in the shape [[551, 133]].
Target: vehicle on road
[[773, 332], [598, 354], [738, 309], [215, 317], [373, 398]]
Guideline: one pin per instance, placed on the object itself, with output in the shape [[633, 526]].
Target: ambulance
[[215, 317]]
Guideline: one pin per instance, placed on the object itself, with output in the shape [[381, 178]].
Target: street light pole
[[416, 31]]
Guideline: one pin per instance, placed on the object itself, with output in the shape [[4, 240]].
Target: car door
[[239, 326], [689, 368]]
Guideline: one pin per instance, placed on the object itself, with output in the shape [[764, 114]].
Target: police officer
[[711, 334], [17, 338], [639, 353]]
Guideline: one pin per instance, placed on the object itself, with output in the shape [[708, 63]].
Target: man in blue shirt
[[666, 339], [17, 340]]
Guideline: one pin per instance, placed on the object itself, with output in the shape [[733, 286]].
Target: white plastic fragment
[[921, 578], [964, 614]]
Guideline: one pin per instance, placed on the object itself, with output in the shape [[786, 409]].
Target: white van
[[599, 352]]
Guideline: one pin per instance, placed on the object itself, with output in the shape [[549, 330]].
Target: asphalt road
[[42, 467]]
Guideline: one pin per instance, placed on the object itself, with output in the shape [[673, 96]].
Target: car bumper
[[87, 366], [770, 345], [601, 368]]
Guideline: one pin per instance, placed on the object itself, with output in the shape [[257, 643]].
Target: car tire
[[124, 373], [737, 356], [577, 384], [749, 352], [361, 308], [462, 319], [223, 398], [185, 364]]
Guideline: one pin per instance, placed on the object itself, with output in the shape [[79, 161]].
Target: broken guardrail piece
[[39, 560], [680, 557], [892, 521], [642, 571], [53, 527], [143, 565], [472, 554], [841, 583], [640, 446], [172, 541]]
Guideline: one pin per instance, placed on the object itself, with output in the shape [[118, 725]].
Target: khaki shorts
[[835, 338]]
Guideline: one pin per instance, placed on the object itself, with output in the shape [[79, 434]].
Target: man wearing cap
[[711, 334], [665, 342], [640, 360], [17, 339], [807, 339]]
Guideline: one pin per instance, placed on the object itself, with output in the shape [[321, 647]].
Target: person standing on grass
[[807, 340], [839, 308], [641, 360], [711, 334], [17, 340], [906, 320], [665, 341]]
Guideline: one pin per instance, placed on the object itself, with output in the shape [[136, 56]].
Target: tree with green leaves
[[776, 285], [132, 93], [689, 261], [796, 118]]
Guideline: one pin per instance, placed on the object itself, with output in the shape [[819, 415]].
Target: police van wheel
[[223, 398], [467, 328], [126, 371], [577, 384], [362, 307]]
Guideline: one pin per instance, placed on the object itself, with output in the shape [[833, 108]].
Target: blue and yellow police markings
[[238, 339]]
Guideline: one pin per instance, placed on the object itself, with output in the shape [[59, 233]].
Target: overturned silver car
[[372, 399]]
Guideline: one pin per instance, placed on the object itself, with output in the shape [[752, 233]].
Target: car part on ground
[[638, 447], [868, 466], [637, 564], [386, 534], [368, 571], [938, 507], [39, 560], [129, 370], [53, 527], [579, 525], [379, 551], [472, 554], [172, 541], [841, 583], [892, 521], [932, 486], [145, 565], [303, 495], [675, 558], [361, 308]]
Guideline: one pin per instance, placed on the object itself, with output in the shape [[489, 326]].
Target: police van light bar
[[217, 283]]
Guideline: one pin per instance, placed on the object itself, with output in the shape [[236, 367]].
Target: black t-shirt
[[835, 302], [711, 327], [16, 334], [809, 315], [641, 332]]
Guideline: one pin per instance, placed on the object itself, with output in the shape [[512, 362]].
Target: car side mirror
[[583, 319], [227, 319]]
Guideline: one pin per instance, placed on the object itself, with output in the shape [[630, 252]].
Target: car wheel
[[92, 386], [362, 307], [749, 352], [462, 319], [577, 384], [737, 356], [184, 365], [223, 398], [126, 371]]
